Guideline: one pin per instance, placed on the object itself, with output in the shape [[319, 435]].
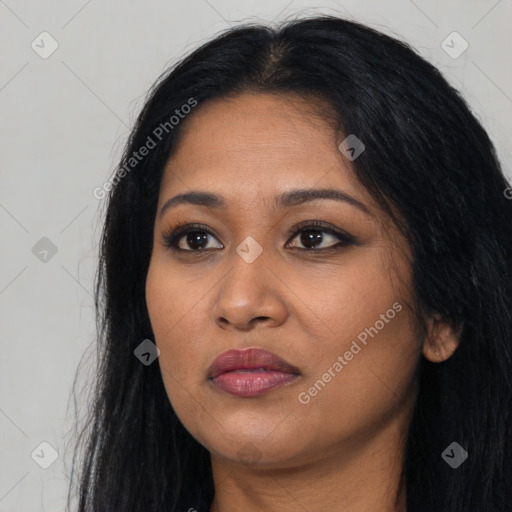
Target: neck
[[359, 475]]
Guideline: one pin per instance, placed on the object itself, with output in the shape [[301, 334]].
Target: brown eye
[[311, 238], [195, 237], [313, 234]]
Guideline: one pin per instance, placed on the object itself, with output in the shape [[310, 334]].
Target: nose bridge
[[248, 262], [253, 233], [249, 290]]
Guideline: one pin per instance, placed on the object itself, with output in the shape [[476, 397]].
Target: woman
[[304, 297]]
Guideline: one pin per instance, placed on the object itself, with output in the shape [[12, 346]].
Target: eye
[[195, 237], [310, 234]]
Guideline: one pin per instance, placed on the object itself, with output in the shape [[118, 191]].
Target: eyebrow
[[287, 199]]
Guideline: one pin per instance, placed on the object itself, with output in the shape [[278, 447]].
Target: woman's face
[[339, 316]]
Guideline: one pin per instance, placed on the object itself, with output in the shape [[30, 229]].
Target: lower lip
[[251, 383]]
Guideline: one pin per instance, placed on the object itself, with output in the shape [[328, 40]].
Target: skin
[[344, 449]]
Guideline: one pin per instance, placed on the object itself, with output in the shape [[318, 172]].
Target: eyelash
[[174, 236]]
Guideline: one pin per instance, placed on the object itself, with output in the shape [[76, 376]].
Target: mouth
[[250, 372]]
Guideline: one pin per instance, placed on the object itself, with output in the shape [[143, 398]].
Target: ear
[[442, 339]]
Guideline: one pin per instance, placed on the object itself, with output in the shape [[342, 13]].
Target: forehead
[[255, 146]]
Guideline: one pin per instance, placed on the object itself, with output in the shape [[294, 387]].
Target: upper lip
[[247, 359]]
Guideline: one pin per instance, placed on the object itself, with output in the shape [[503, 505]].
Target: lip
[[250, 372]]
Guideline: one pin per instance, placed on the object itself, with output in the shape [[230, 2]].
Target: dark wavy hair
[[428, 158]]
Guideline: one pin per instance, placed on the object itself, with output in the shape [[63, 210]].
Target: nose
[[250, 293]]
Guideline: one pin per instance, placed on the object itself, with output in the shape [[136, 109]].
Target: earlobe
[[442, 339]]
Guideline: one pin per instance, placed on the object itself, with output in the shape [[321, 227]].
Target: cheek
[[354, 295], [174, 301], [173, 308], [356, 386], [374, 332]]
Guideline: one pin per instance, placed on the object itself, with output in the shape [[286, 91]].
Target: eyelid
[[321, 226]]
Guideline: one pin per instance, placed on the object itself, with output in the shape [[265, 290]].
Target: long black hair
[[427, 157]]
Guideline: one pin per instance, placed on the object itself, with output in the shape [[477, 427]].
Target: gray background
[[64, 120]]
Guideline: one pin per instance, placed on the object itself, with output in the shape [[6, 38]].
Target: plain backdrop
[[65, 117]]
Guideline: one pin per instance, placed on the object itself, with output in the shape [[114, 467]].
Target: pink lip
[[250, 372]]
